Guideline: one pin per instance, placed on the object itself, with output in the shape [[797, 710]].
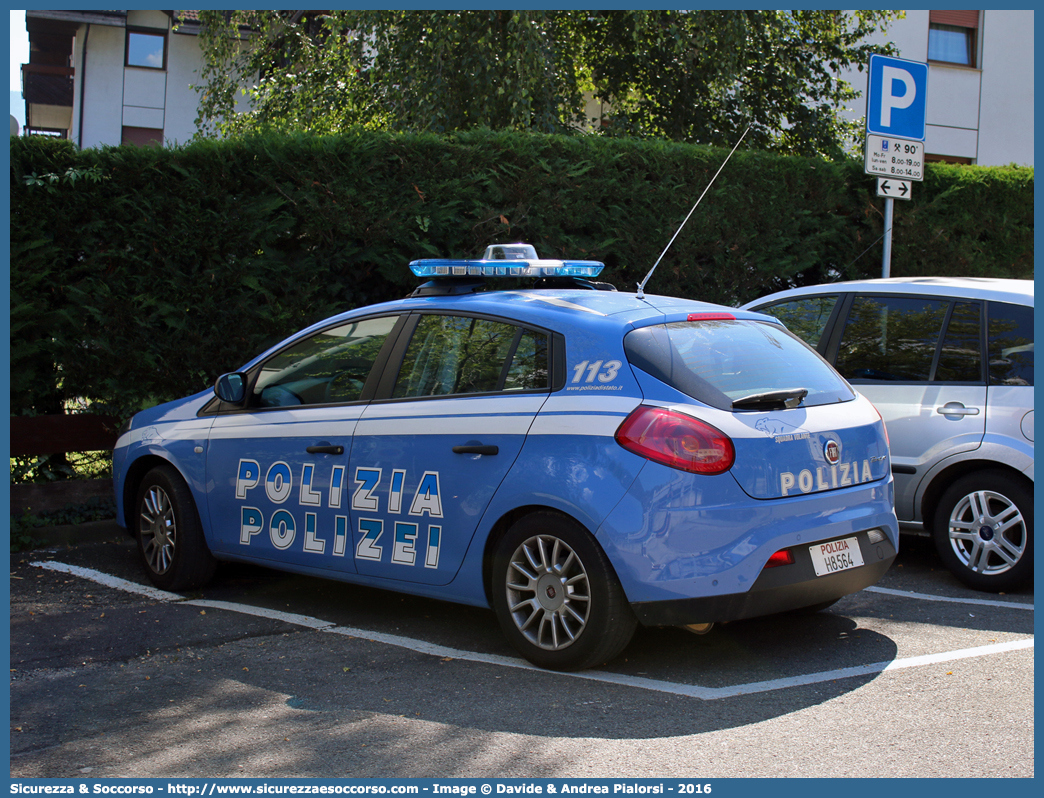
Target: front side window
[[147, 50], [806, 317], [1010, 344], [891, 339], [328, 367], [460, 354]]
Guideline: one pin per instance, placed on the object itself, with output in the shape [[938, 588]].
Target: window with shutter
[[952, 37]]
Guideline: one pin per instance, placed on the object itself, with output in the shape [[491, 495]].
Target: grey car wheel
[[158, 530], [548, 592], [984, 531], [170, 537], [557, 596]]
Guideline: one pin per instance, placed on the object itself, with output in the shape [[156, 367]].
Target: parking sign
[[896, 98], [902, 159]]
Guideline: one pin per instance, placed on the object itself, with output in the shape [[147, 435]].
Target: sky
[[19, 56]]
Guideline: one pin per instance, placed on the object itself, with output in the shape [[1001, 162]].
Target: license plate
[[837, 555]]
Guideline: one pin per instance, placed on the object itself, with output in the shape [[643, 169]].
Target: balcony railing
[[43, 84]]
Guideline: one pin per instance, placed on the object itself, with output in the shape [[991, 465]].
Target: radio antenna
[[641, 285]]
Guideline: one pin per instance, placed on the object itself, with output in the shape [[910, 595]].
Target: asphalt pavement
[[268, 674]]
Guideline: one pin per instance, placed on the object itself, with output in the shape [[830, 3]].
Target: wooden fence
[[59, 434]]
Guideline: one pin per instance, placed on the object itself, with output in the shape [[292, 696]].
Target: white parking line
[[109, 581], [867, 670], [624, 680], [928, 597], [261, 612], [690, 690]]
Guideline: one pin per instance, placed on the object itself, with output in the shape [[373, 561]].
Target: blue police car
[[579, 459]]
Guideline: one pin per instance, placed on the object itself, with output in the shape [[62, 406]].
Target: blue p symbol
[[896, 98]]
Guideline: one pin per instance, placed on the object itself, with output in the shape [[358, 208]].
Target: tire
[[170, 536], [983, 531], [556, 595]]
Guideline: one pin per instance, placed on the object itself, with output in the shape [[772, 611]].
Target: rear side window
[[460, 354], [960, 359], [719, 362], [806, 317], [1010, 344]]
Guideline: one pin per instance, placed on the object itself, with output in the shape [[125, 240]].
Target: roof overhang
[[117, 19]]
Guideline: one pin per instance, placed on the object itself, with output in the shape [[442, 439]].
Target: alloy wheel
[[987, 532], [548, 592], [158, 529]]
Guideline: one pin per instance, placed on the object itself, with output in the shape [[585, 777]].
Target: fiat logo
[[832, 450]]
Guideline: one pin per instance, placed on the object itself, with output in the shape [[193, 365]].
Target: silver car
[[948, 362]]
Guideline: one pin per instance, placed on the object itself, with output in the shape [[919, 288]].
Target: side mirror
[[231, 388]]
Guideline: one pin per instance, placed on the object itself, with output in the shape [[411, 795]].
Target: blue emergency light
[[506, 260]]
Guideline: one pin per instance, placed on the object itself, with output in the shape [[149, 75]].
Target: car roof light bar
[[437, 267]]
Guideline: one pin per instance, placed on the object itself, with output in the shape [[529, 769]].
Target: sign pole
[[886, 260], [896, 107]]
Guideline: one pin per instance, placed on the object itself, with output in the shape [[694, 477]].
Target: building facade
[[111, 77], [980, 82]]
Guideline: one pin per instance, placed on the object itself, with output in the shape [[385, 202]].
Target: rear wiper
[[772, 400]]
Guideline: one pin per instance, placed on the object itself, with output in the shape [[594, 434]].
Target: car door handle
[[326, 449], [472, 448], [957, 409]]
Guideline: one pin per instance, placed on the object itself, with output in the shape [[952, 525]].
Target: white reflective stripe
[[591, 424], [187, 429], [561, 303], [292, 415], [341, 428], [592, 402], [492, 415], [588, 414], [446, 425], [505, 404]]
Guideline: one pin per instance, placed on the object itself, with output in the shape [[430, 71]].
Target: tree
[[693, 76], [704, 76]]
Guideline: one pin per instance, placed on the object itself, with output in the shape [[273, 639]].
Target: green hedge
[[175, 265]]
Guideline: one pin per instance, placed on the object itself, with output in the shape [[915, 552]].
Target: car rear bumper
[[780, 589]]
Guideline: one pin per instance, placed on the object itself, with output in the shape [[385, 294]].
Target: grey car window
[[806, 317], [460, 354], [891, 339], [961, 357], [1010, 344], [327, 367], [718, 362]]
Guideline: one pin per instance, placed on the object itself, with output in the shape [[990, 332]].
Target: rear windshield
[[721, 362]]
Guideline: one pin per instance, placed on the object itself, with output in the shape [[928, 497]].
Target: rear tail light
[[676, 440], [781, 557]]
